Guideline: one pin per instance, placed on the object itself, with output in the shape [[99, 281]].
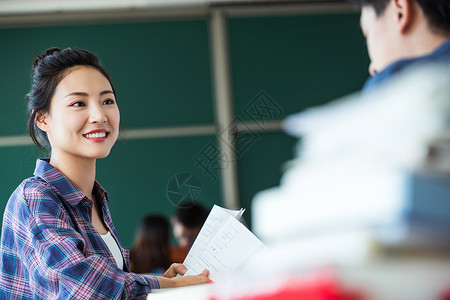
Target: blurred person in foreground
[[404, 33], [187, 222], [150, 252]]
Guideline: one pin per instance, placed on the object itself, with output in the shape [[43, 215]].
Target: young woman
[[58, 239]]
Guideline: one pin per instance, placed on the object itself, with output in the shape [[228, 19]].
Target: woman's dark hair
[[437, 12], [151, 249], [48, 71]]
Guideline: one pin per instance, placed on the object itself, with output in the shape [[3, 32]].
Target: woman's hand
[[170, 280], [174, 270]]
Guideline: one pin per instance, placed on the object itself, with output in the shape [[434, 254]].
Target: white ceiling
[[45, 6], [14, 7], [15, 13]]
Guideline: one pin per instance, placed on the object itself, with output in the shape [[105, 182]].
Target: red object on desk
[[322, 287], [446, 294]]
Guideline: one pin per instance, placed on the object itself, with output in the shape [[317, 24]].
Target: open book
[[223, 244]]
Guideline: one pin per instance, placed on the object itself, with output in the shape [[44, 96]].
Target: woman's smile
[[97, 135]]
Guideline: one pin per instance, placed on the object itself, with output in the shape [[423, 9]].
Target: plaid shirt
[[49, 248]]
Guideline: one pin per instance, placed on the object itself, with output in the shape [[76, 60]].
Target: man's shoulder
[[438, 56]]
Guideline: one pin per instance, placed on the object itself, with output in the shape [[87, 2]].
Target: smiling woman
[[58, 239], [83, 120]]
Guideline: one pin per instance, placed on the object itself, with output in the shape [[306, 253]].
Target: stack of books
[[368, 194]]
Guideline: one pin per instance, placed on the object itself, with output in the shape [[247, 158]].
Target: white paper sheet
[[222, 245]]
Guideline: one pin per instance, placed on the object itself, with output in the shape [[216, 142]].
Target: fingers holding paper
[[174, 270], [170, 280]]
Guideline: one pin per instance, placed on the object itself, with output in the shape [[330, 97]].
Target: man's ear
[[404, 10], [41, 121]]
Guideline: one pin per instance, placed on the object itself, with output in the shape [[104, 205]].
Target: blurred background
[[202, 87]]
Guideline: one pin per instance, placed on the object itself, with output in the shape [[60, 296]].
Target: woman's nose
[[97, 115]]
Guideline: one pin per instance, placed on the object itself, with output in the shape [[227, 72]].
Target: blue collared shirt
[[440, 54]]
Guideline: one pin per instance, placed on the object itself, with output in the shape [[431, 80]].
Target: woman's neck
[[80, 171]]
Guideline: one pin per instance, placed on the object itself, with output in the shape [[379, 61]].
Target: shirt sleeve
[[53, 254]]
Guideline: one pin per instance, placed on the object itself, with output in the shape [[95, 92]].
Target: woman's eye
[[78, 104], [108, 101]]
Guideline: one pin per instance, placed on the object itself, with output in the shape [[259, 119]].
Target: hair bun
[[49, 51]]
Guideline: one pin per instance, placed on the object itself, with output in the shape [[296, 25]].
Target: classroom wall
[[162, 73]]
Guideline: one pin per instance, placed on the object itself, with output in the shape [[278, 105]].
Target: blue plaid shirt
[[50, 249]]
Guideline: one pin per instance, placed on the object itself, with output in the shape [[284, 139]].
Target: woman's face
[[83, 120]]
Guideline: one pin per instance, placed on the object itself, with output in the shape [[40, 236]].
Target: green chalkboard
[[299, 61], [280, 66], [162, 74]]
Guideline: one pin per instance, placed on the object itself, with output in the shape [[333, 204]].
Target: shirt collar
[[444, 48], [64, 186], [442, 52]]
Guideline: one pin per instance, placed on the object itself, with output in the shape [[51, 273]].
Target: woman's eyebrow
[[76, 94], [86, 94], [106, 92]]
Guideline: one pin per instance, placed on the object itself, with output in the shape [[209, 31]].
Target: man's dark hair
[[437, 12], [191, 215]]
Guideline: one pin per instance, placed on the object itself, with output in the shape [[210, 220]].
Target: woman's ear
[[41, 121]]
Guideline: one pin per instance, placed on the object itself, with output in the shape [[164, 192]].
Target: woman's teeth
[[95, 135]]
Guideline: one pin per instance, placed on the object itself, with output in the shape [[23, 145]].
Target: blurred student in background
[[150, 252], [404, 33], [187, 222]]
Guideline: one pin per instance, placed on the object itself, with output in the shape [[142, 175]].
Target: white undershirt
[[114, 248]]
